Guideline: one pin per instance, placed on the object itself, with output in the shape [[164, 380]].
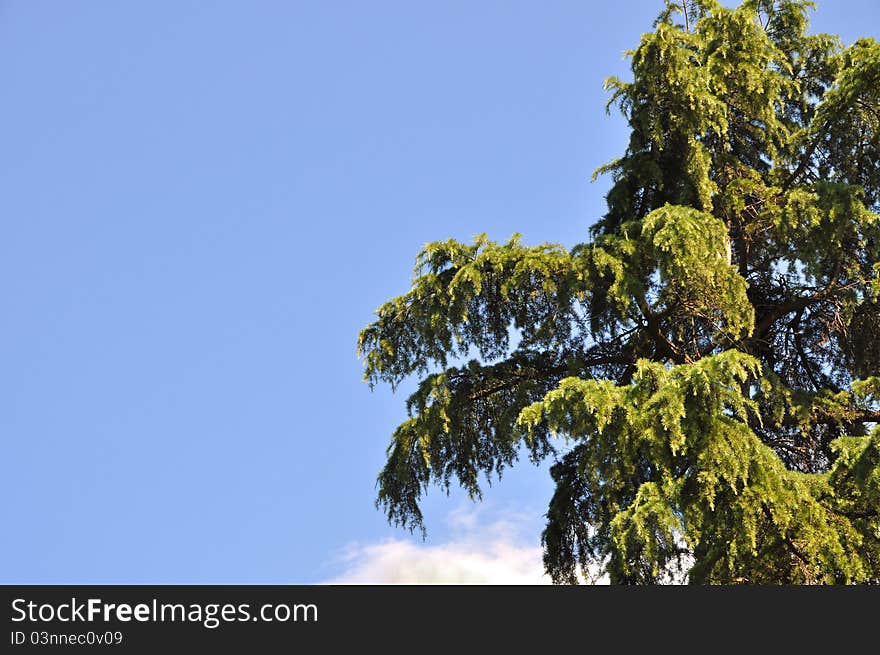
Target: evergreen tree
[[704, 371]]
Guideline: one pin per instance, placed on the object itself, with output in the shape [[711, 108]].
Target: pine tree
[[703, 372]]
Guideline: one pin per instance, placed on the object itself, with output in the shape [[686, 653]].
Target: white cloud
[[479, 553]]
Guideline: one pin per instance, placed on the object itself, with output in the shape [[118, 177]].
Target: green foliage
[[704, 372]]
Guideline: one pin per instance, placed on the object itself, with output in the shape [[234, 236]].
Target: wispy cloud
[[479, 552]]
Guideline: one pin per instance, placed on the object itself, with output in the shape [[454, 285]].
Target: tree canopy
[[703, 372]]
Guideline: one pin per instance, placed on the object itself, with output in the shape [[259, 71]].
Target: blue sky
[[202, 203]]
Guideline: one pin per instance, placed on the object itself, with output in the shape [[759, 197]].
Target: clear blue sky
[[203, 202]]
